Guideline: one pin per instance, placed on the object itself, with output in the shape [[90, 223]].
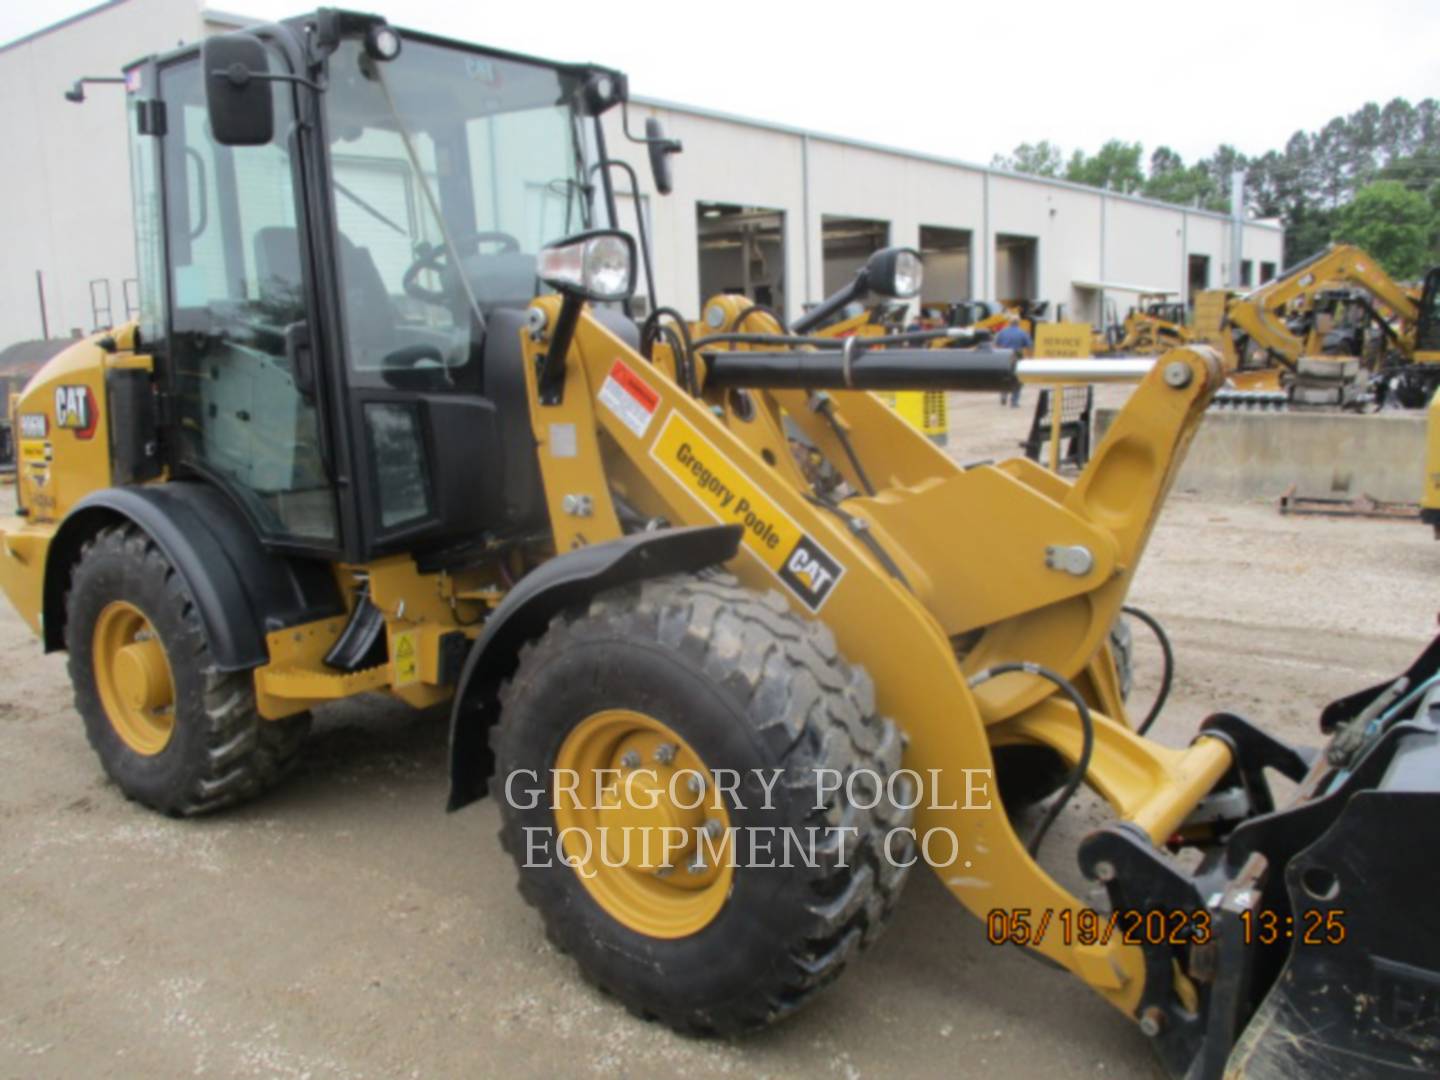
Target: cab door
[[243, 406]]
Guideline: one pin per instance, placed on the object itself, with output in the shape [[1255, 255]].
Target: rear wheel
[[173, 732], [695, 895]]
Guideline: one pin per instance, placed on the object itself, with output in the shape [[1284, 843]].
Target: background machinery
[[436, 459], [1154, 325], [1308, 328]]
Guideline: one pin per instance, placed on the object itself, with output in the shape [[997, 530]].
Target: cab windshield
[[451, 170]]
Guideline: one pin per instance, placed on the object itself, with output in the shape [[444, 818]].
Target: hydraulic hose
[[1163, 694], [1087, 745]]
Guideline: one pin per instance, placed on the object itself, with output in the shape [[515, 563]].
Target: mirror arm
[[670, 145], [550, 382], [614, 163], [76, 93], [240, 78], [822, 311]]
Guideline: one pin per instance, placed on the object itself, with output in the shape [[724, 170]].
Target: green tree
[[1115, 167], [1043, 158], [1392, 223]]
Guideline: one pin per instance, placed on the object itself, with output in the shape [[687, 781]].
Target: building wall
[[69, 215], [1082, 235], [67, 207]]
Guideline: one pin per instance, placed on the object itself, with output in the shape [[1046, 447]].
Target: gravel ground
[[346, 927]]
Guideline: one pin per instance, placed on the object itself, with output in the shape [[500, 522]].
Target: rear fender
[[242, 591]]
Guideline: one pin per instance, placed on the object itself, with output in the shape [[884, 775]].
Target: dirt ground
[[346, 926]]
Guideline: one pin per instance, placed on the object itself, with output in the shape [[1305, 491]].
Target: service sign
[[34, 425], [797, 560], [1065, 341], [75, 410]]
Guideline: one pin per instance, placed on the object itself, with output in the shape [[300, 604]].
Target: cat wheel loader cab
[[379, 428]]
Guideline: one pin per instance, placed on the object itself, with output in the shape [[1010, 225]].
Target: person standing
[[1013, 336]]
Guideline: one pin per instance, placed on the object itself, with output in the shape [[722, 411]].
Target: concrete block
[[1250, 455]]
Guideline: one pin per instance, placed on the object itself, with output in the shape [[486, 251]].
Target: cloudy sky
[[960, 79]]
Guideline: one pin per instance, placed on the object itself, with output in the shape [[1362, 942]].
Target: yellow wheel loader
[[384, 425]]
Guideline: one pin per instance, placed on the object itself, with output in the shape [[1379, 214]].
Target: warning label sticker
[[629, 397], [796, 559], [407, 660]]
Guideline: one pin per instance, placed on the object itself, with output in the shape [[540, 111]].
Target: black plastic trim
[[564, 582], [243, 592]]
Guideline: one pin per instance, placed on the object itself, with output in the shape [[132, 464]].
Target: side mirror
[[660, 149], [237, 90]]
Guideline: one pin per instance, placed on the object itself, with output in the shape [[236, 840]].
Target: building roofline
[[219, 15], [25, 39], [938, 159]]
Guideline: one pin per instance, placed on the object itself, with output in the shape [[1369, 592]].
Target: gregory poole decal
[[801, 564]]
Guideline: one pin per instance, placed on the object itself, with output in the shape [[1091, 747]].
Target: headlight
[[895, 272], [599, 265], [909, 274]]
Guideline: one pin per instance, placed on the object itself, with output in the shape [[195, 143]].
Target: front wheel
[[700, 797], [173, 733]]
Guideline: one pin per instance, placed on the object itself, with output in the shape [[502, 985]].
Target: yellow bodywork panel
[[23, 547], [941, 563], [62, 432], [63, 424]]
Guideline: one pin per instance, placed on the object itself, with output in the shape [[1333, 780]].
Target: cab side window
[[237, 284]]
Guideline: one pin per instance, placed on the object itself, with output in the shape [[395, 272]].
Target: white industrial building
[[783, 214]]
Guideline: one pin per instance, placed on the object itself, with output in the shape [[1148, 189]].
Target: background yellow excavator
[[1275, 337], [723, 707]]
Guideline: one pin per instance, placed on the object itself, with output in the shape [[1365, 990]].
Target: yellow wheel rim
[[132, 675], [641, 821]]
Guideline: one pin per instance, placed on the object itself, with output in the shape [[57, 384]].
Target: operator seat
[[370, 316]]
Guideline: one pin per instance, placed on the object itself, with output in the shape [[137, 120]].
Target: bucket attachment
[[1306, 940]]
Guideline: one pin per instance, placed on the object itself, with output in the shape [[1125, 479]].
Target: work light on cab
[[382, 42], [895, 272]]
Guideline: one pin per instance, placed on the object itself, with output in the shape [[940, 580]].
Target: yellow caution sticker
[[714, 481], [407, 659], [34, 450]]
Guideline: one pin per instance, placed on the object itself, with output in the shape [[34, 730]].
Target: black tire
[[221, 751], [748, 685]]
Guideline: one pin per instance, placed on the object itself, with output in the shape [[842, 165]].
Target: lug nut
[[713, 828], [664, 871], [695, 784], [696, 867], [630, 760], [665, 753], [1105, 871]]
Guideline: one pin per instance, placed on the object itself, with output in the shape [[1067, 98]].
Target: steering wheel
[[437, 257]]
